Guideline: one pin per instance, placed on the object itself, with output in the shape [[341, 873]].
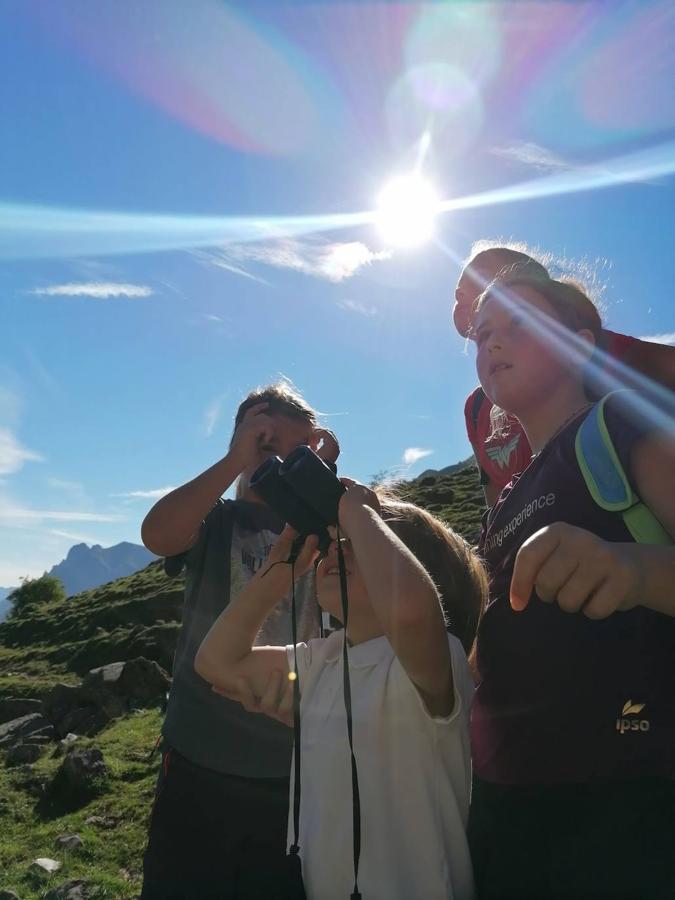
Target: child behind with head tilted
[[573, 723], [410, 694]]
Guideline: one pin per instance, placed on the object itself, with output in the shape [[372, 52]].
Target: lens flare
[[407, 208]]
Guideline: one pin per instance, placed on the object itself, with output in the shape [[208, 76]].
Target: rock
[[59, 701], [17, 729], [86, 720], [14, 707], [105, 822], [44, 866], [81, 775], [75, 889], [22, 754], [138, 682], [70, 842]]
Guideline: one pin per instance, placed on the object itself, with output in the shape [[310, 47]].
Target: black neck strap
[[356, 799]]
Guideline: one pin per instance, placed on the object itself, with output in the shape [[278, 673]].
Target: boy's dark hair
[[283, 400], [457, 572]]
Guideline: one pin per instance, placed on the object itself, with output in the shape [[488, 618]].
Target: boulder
[[22, 754], [75, 889], [137, 682], [59, 701], [44, 866], [69, 842], [14, 707], [17, 729], [81, 776]]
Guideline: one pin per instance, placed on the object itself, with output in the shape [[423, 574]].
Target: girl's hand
[[355, 498], [281, 551], [276, 701], [578, 570]]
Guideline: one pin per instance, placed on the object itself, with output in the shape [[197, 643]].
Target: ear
[[588, 338]]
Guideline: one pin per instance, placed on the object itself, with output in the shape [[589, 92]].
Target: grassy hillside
[[134, 616]]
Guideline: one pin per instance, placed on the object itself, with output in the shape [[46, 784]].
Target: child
[[219, 820], [579, 635], [503, 452], [410, 689]]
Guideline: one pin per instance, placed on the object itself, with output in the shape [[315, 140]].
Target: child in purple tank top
[[573, 724]]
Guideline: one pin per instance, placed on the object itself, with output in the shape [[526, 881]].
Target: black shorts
[[604, 841], [215, 836]]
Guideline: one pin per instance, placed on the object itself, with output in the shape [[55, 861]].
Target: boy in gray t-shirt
[[224, 770]]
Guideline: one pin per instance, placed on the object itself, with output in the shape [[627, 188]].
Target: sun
[[406, 211]]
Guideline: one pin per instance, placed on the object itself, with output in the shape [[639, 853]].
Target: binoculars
[[303, 489]]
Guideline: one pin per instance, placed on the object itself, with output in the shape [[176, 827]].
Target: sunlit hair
[[572, 306], [510, 254], [452, 565], [283, 399]]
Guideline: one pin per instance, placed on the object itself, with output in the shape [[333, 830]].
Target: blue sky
[[152, 155]]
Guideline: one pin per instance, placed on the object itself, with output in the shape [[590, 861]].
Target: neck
[[543, 421], [362, 628]]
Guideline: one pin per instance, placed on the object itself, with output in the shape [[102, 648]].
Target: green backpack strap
[[607, 482]]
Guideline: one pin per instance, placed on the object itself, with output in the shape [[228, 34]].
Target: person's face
[[328, 581], [515, 360], [287, 434], [472, 282]]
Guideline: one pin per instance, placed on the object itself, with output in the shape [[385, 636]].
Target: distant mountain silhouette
[[5, 605], [88, 567]]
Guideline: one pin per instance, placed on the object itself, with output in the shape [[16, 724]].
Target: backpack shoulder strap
[[607, 482], [478, 400]]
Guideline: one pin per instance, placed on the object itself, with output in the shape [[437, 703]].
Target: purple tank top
[[563, 698]]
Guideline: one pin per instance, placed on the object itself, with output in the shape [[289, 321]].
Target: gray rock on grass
[[70, 842]]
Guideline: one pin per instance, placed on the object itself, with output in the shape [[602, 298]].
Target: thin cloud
[[70, 536], [359, 308], [153, 494], [13, 454], [667, 338], [332, 262], [212, 414], [98, 290], [415, 454], [60, 484], [534, 155], [19, 515], [221, 260]]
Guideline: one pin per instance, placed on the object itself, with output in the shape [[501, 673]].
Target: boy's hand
[[325, 444], [355, 498], [578, 570], [255, 431]]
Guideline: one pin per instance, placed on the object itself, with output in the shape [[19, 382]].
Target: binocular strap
[[294, 851], [356, 800]]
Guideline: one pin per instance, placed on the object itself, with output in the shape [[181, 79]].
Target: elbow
[[420, 610], [203, 665]]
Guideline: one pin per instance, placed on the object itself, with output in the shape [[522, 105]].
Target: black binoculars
[[303, 489]]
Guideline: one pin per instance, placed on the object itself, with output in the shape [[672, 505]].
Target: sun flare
[[406, 211]]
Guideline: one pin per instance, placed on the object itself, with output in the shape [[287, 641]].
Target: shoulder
[[618, 345]]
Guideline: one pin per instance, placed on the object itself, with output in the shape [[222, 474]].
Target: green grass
[[111, 858]]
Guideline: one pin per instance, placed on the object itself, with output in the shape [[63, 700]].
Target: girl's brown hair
[[573, 307], [452, 565]]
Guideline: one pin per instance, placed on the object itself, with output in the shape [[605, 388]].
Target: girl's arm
[[227, 658], [583, 572], [403, 598]]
